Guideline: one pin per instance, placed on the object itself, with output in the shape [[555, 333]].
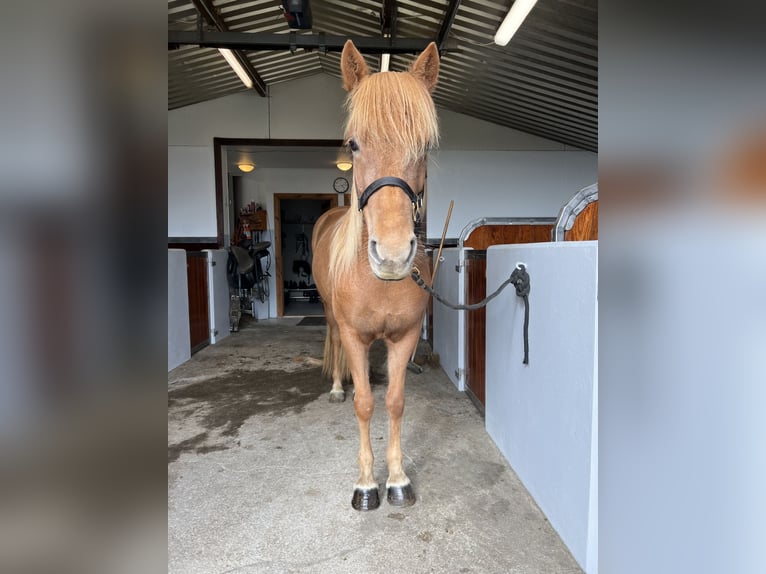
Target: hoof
[[401, 495], [365, 499], [337, 396]]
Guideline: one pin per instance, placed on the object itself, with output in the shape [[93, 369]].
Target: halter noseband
[[417, 200]]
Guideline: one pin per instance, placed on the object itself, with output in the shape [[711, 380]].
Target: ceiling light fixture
[[385, 58], [246, 167], [513, 20], [344, 165], [236, 66]]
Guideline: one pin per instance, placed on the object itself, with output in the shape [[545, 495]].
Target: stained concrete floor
[[261, 470]]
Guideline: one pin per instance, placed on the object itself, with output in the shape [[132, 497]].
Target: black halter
[[417, 200]]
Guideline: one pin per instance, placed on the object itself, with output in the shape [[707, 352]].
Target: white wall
[[503, 183], [218, 294], [191, 192], [459, 131], [261, 185], [541, 415], [447, 324], [309, 108], [179, 339], [487, 169]]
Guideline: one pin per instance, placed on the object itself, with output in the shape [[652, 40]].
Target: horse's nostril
[[374, 251], [413, 248]]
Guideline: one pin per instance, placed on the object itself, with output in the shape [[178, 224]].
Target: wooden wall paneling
[[476, 322], [199, 322], [585, 227], [482, 237]]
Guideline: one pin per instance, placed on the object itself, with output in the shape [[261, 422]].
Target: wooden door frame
[[278, 197]]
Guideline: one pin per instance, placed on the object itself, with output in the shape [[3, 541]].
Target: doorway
[[294, 217]]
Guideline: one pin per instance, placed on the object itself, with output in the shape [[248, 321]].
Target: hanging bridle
[[417, 200]]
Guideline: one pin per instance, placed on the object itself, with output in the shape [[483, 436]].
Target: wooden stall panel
[[486, 235], [476, 275], [199, 324], [585, 227]]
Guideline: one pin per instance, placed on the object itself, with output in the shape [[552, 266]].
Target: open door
[[294, 217]]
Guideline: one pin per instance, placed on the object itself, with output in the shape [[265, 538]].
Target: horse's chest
[[384, 312]]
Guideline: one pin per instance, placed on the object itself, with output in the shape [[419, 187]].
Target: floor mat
[[315, 321]]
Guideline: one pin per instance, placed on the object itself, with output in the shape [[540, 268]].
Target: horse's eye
[[353, 145]]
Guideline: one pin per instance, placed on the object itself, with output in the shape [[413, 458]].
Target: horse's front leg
[[366, 488], [398, 486]]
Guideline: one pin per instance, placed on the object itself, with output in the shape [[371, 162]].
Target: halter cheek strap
[[417, 200]]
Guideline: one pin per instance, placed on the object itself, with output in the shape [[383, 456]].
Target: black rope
[[520, 280]]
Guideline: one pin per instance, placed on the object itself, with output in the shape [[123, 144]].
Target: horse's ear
[[353, 66], [426, 67]]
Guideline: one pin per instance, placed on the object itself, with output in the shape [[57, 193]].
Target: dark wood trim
[[276, 142], [218, 192], [192, 243]]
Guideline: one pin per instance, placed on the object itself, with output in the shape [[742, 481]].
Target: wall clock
[[340, 185]]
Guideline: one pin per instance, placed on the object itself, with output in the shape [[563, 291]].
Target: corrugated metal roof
[[544, 82]]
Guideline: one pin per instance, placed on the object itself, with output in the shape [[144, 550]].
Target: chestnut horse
[[363, 254]]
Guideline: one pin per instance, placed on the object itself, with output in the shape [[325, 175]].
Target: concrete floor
[[261, 470]]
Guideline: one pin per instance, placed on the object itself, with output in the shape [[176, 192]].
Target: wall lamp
[[246, 167], [344, 165]]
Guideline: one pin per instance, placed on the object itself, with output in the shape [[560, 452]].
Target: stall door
[[199, 323], [476, 322]]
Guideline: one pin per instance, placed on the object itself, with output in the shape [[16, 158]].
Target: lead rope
[[520, 280]]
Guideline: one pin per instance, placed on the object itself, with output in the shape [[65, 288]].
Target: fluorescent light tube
[[236, 66], [385, 60], [513, 20]]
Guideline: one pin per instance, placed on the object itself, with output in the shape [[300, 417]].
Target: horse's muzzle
[[390, 267]]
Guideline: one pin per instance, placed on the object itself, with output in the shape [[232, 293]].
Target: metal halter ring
[[416, 207]]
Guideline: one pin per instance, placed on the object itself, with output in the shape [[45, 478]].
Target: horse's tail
[[328, 360]]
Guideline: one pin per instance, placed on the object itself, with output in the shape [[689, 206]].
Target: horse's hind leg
[[334, 362], [337, 394], [398, 486]]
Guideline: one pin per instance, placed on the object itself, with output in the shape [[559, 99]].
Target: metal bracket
[[322, 43]]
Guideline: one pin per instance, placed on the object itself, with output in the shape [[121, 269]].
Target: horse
[[364, 253]]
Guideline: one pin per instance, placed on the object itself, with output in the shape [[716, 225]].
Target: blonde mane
[[346, 240], [391, 110]]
